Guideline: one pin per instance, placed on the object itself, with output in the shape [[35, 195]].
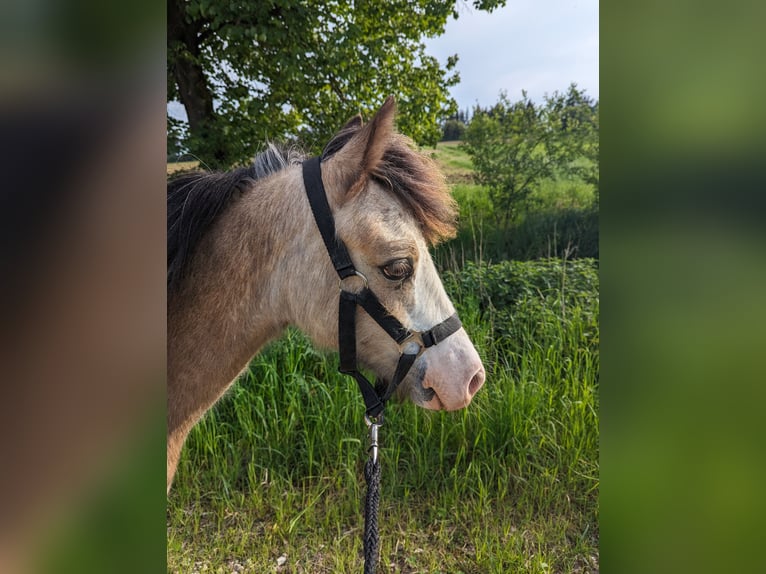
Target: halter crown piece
[[406, 340]]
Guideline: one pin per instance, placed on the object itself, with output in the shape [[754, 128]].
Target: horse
[[246, 259]]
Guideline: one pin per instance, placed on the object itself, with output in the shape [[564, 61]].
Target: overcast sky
[[539, 46]]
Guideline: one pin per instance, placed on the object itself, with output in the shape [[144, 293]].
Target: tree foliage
[[248, 71], [516, 145], [453, 130]]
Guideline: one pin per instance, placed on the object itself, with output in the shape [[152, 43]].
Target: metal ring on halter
[[414, 338], [356, 274]]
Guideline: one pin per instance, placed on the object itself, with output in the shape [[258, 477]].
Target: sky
[[540, 46]]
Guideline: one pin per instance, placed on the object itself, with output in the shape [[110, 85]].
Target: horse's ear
[[353, 163]]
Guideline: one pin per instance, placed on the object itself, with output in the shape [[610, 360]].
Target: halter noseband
[[374, 401]]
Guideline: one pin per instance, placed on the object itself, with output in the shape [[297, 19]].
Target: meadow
[[271, 479]]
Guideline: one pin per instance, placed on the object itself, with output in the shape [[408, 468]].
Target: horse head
[[390, 204]]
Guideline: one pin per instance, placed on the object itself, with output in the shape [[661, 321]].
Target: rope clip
[[373, 423]]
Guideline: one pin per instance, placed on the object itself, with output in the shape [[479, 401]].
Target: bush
[[516, 146], [533, 304]]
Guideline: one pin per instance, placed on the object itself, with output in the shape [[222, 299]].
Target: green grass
[[562, 193], [453, 160], [508, 485], [561, 222]]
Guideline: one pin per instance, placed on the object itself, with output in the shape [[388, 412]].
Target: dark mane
[[197, 199], [413, 178]]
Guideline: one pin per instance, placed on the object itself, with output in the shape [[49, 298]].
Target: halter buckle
[[356, 274]]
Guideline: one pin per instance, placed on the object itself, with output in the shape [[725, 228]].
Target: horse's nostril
[[476, 382]]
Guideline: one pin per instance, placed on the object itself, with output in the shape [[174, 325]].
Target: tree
[[453, 130], [516, 145], [575, 115], [247, 71]]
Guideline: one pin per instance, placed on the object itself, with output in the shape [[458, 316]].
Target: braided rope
[[372, 502]]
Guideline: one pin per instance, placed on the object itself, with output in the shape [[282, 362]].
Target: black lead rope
[[374, 400], [372, 499]]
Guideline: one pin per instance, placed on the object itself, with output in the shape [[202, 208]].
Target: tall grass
[[509, 484], [546, 230]]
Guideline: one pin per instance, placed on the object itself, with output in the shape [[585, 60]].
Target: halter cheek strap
[[373, 399]]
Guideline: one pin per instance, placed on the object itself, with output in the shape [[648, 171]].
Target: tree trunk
[[193, 90]]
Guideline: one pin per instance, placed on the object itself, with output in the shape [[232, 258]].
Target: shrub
[[533, 304]]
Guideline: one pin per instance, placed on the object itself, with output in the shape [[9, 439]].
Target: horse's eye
[[397, 270]]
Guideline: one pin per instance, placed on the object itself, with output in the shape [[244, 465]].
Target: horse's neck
[[245, 281]]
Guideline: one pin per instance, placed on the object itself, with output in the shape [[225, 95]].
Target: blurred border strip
[[82, 286], [683, 286]]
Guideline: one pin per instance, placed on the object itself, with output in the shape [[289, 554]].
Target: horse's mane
[[196, 199], [414, 179]]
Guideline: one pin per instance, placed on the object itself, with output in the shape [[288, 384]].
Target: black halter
[[373, 400]]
